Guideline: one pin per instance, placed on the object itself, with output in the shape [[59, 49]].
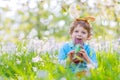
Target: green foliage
[[21, 66]]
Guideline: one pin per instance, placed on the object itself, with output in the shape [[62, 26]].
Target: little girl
[[85, 58]]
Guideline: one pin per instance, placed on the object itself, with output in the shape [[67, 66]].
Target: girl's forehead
[[79, 27]]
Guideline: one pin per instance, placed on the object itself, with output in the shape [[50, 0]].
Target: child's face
[[80, 34]]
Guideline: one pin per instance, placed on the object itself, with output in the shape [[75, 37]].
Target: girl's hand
[[71, 57], [84, 55]]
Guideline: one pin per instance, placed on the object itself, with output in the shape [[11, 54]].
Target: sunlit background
[[32, 31], [21, 19]]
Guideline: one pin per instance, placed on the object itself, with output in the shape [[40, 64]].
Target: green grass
[[22, 67]]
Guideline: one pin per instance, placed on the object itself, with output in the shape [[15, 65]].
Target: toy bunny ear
[[78, 19], [90, 18]]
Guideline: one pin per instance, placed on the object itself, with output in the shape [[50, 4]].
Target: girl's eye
[[76, 31], [83, 32]]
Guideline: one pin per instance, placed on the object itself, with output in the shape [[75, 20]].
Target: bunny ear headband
[[89, 19]]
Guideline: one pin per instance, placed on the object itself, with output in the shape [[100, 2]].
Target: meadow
[[37, 60]]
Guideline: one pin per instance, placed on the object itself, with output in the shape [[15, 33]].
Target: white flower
[[18, 61], [34, 69], [9, 47], [36, 59], [33, 33]]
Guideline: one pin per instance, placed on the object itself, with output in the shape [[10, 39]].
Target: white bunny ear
[[74, 11]]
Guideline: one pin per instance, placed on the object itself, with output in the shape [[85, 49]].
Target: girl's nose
[[79, 35]]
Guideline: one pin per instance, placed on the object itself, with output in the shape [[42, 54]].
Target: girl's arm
[[91, 61]]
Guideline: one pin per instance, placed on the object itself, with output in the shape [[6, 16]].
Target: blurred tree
[[53, 18]]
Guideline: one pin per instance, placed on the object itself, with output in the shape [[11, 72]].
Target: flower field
[[37, 60], [32, 31]]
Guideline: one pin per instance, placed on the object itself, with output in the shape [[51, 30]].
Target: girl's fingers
[[82, 50], [80, 54], [76, 60], [71, 54]]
